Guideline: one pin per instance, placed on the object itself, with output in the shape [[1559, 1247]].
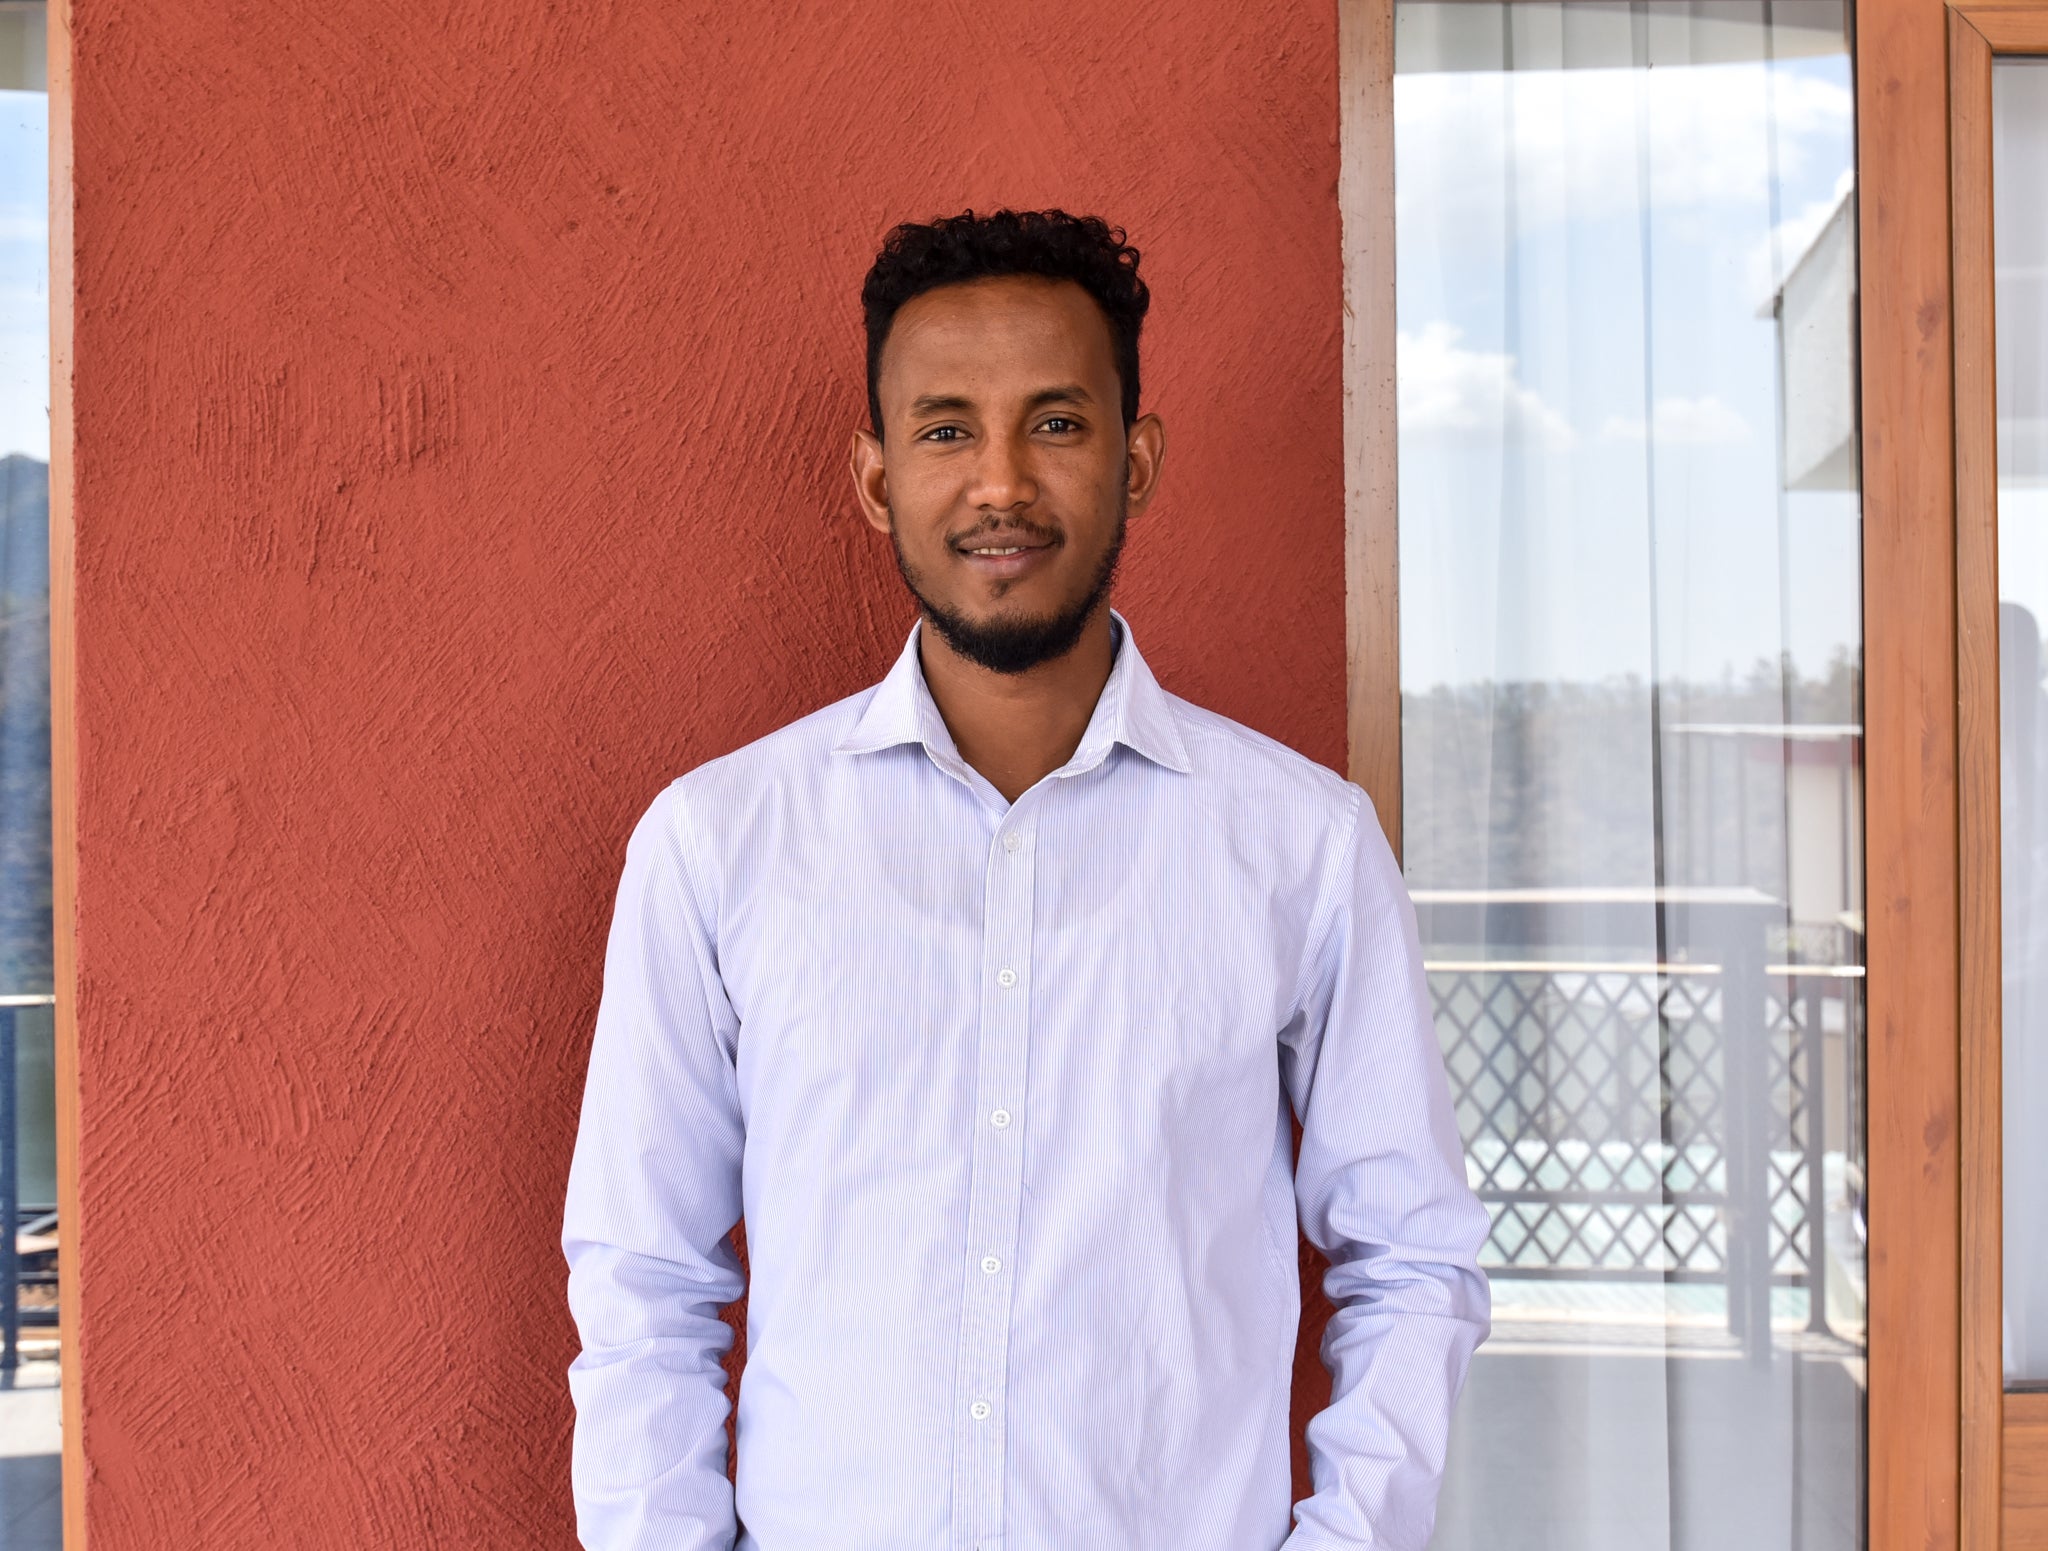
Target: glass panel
[[25, 943], [2019, 150], [28, 1396], [1630, 535]]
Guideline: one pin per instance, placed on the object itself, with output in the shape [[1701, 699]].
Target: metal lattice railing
[[1613, 1129], [1592, 1106]]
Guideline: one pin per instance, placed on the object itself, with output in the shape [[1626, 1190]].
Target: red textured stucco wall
[[461, 396]]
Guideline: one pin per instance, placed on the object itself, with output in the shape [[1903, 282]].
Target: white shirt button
[[999, 1119], [1012, 840], [990, 1264], [979, 1410], [1006, 978]]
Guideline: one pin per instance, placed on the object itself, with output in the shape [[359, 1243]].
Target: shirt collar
[[1132, 710]]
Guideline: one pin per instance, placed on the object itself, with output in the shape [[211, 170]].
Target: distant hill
[[24, 526], [1548, 785]]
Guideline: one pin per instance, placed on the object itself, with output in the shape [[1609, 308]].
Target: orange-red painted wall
[[462, 390]]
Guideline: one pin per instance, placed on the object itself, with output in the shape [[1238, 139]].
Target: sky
[[25, 273], [1588, 392]]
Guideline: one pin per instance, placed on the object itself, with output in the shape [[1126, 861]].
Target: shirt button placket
[[996, 1192]]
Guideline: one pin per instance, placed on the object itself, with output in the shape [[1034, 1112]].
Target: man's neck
[[1017, 728]]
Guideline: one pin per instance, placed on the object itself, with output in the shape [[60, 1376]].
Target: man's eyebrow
[[957, 403], [1067, 393]]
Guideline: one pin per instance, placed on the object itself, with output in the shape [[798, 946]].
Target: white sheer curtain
[[1629, 537]]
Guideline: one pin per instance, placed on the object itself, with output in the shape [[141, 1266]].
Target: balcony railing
[[13, 1274], [1645, 1120]]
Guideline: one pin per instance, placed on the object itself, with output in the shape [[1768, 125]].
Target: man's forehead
[[986, 330], [1012, 312]]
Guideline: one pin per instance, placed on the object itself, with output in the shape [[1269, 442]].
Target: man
[[987, 996]]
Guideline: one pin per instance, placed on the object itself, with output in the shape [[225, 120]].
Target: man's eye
[[943, 433], [1062, 423]]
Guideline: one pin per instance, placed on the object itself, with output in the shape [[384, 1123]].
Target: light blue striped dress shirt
[[1003, 1092]]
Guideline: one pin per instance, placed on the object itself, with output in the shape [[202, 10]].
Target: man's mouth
[[1004, 556]]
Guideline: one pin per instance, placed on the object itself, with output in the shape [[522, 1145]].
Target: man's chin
[[1009, 640], [1009, 635], [1006, 616]]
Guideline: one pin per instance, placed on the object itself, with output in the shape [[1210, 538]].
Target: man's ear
[[871, 480], [1144, 454]]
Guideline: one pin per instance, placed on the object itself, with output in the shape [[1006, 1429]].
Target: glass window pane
[[28, 1396], [25, 943], [2019, 150], [1630, 557]]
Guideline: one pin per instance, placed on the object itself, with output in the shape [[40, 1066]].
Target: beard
[[1017, 645]]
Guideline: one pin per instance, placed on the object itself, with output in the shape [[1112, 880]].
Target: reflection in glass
[[1630, 611], [2019, 149]]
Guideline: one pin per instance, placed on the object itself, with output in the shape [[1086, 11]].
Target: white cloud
[[1582, 144], [1680, 421], [1446, 389]]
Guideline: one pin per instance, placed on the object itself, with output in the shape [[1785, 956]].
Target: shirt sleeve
[[1380, 1183], [653, 1194]]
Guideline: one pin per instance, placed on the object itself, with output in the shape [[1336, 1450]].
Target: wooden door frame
[[1372, 612], [1911, 837], [2004, 1436], [1912, 840]]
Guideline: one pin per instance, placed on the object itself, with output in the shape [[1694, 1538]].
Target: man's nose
[[1002, 475]]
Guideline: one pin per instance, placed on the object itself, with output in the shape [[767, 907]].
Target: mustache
[[1009, 527]]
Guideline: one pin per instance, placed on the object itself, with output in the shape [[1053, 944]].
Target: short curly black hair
[[919, 257]]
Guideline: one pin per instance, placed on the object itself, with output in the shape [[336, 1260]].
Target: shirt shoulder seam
[[677, 821], [1212, 723], [1340, 861]]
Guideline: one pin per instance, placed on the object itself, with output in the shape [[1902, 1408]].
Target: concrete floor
[[1600, 1448], [31, 1508]]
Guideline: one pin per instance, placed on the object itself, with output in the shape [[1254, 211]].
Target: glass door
[[1629, 538]]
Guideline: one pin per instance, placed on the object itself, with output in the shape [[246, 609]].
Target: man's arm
[[654, 1191], [1381, 1188]]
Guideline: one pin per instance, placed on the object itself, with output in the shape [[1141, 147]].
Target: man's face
[[1005, 474]]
